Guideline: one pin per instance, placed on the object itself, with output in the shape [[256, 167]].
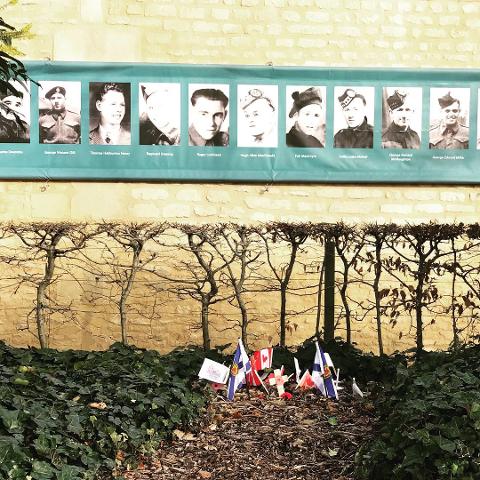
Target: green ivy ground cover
[[79, 415], [429, 421]]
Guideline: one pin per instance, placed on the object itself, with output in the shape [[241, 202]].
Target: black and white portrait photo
[[59, 112], [15, 113], [353, 117], [257, 116], [208, 120], [449, 118], [305, 122], [159, 109], [109, 113], [402, 117]]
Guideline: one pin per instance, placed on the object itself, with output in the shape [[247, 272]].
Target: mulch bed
[[306, 437]]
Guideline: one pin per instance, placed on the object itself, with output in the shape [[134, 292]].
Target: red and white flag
[[262, 359], [306, 382], [253, 378]]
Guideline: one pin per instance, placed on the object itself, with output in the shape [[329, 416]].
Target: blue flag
[[241, 366], [330, 389]]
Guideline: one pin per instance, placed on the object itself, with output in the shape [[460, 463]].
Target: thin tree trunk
[[319, 301], [41, 297], [376, 284], [456, 339], [204, 321], [283, 293], [419, 305], [126, 292]]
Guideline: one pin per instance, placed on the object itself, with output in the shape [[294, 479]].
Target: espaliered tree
[[45, 244], [198, 270], [416, 274], [375, 236], [291, 237], [348, 243], [123, 257], [240, 252]]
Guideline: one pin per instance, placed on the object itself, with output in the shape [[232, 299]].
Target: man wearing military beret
[[359, 133], [59, 125], [449, 133], [399, 134]]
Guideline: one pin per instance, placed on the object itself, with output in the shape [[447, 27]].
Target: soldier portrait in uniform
[[15, 113], [159, 107], [402, 117], [353, 117], [59, 112], [306, 119], [449, 112], [208, 116], [258, 116], [109, 114]]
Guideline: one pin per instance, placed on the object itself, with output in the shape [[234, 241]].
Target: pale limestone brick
[[232, 28], [92, 11], [330, 192], [352, 4], [149, 193], [274, 29], [220, 13], [177, 210], [436, 6], [262, 217], [449, 20], [198, 13], [434, 32], [351, 207], [135, 9], [218, 196], [285, 42], [349, 31], [249, 3], [255, 29], [471, 7], [177, 25], [453, 196], [276, 3], [317, 16], [420, 195], [299, 193], [310, 207], [301, 3], [217, 42], [386, 5], [205, 210], [89, 204], [404, 7], [394, 31], [206, 27], [267, 203], [310, 29], [400, 208], [291, 16], [467, 47], [189, 195], [145, 211], [233, 212], [365, 192], [368, 5], [429, 208], [460, 208]]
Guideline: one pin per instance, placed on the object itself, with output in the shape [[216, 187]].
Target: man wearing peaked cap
[[358, 134], [59, 125], [449, 133], [307, 110], [399, 134]]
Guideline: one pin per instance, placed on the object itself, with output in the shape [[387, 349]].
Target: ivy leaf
[[42, 470]]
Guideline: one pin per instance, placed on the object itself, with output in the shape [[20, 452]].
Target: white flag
[[297, 369], [214, 371]]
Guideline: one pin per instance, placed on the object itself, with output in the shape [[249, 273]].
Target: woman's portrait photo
[[159, 109], [15, 113], [305, 122], [109, 114], [258, 116]]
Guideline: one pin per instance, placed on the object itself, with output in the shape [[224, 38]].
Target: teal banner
[[118, 121]]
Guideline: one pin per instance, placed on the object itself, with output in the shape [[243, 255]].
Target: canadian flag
[[253, 378], [262, 359]]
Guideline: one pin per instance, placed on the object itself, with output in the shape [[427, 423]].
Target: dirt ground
[[307, 437]]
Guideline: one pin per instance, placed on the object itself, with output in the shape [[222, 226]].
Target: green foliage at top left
[[81, 415]]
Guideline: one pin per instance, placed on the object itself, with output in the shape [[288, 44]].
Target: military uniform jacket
[[296, 138], [358, 137], [442, 137], [397, 137], [151, 135], [60, 127], [220, 139], [14, 131]]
